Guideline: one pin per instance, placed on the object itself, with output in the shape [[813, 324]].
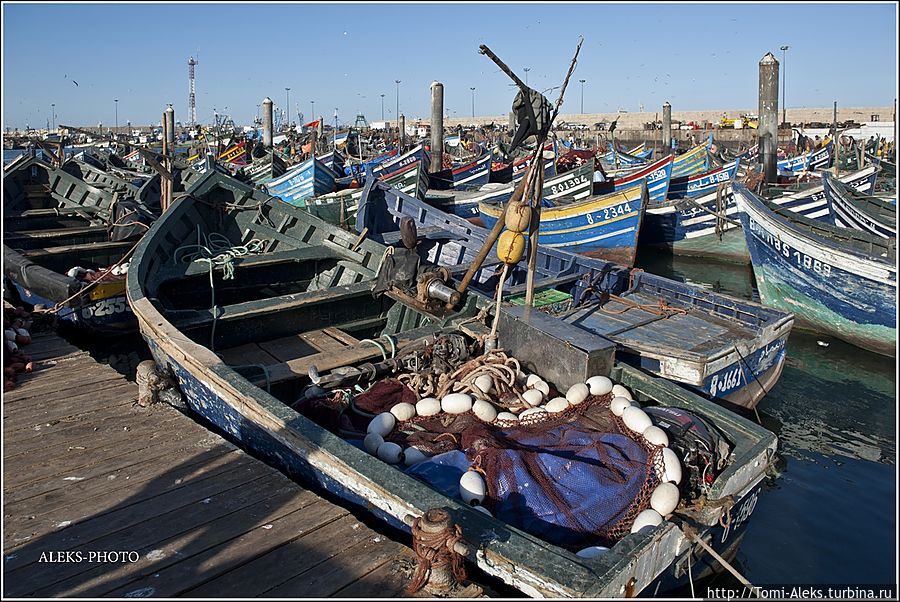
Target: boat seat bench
[[331, 358]]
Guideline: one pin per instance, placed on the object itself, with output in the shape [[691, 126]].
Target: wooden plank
[[186, 532], [340, 335], [247, 354], [64, 436], [298, 557], [77, 475], [288, 348], [223, 559], [387, 581], [30, 412], [69, 387], [129, 486], [44, 468], [46, 579], [321, 341], [92, 247], [331, 577]]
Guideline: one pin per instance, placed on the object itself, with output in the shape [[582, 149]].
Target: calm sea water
[[830, 517]]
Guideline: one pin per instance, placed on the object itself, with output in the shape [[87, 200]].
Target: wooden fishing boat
[[658, 175], [726, 349], [575, 184], [708, 226], [637, 156], [305, 180], [853, 209], [837, 281], [599, 226], [263, 169], [515, 170], [340, 207], [468, 176], [817, 159], [691, 162], [256, 363], [64, 241], [702, 183]]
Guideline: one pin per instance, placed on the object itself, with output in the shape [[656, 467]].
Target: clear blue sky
[[344, 56]]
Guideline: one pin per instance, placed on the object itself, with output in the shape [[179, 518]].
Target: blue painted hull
[[819, 159], [658, 176], [574, 184], [605, 227], [110, 316], [473, 175], [698, 185], [308, 179], [830, 287], [691, 227]]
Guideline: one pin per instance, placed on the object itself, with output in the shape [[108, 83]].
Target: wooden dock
[[105, 498]]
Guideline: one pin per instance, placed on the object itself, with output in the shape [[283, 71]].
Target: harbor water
[[829, 516]]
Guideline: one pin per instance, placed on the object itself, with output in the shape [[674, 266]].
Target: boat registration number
[[609, 213], [568, 185], [803, 261], [740, 517], [107, 307]]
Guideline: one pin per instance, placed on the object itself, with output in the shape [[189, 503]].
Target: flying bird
[[74, 82]]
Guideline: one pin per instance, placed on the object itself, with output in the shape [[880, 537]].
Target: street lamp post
[[287, 108], [783, 106], [473, 101], [382, 107], [397, 115], [117, 117], [526, 70], [582, 94], [312, 104], [53, 114]]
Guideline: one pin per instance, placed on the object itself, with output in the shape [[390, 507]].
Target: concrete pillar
[[313, 141], [667, 128], [437, 127], [402, 130], [512, 123], [267, 122], [170, 124], [768, 116]]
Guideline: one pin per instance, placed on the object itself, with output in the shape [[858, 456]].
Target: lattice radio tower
[[192, 97]]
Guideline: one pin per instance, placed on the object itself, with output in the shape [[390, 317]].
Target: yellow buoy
[[511, 247], [518, 217]]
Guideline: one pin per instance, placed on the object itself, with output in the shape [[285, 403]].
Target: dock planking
[[87, 471]]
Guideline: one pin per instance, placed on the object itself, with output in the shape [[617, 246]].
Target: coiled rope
[[216, 250]]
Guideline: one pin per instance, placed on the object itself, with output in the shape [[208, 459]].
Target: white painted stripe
[[595, 238]]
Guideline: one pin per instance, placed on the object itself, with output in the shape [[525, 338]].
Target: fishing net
[[574, 478]]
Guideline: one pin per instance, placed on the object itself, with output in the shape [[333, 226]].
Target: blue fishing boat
[[603, 226], [392, 165], [817, 159], [305, 180], [657, 175], [358, 167], [469, 176], [691, 162], [515, 170], [708, 226], [575, 184], [836, 281], [333, 160], [853, 209], [619, 158], [702, 183], [726, 349]]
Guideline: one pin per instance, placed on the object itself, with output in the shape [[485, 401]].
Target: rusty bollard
[[440, 552]]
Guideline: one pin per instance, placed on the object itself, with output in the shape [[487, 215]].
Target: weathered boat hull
[[863, 213], [658, 176], [708, 226], [308, 179], [829, 287]]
